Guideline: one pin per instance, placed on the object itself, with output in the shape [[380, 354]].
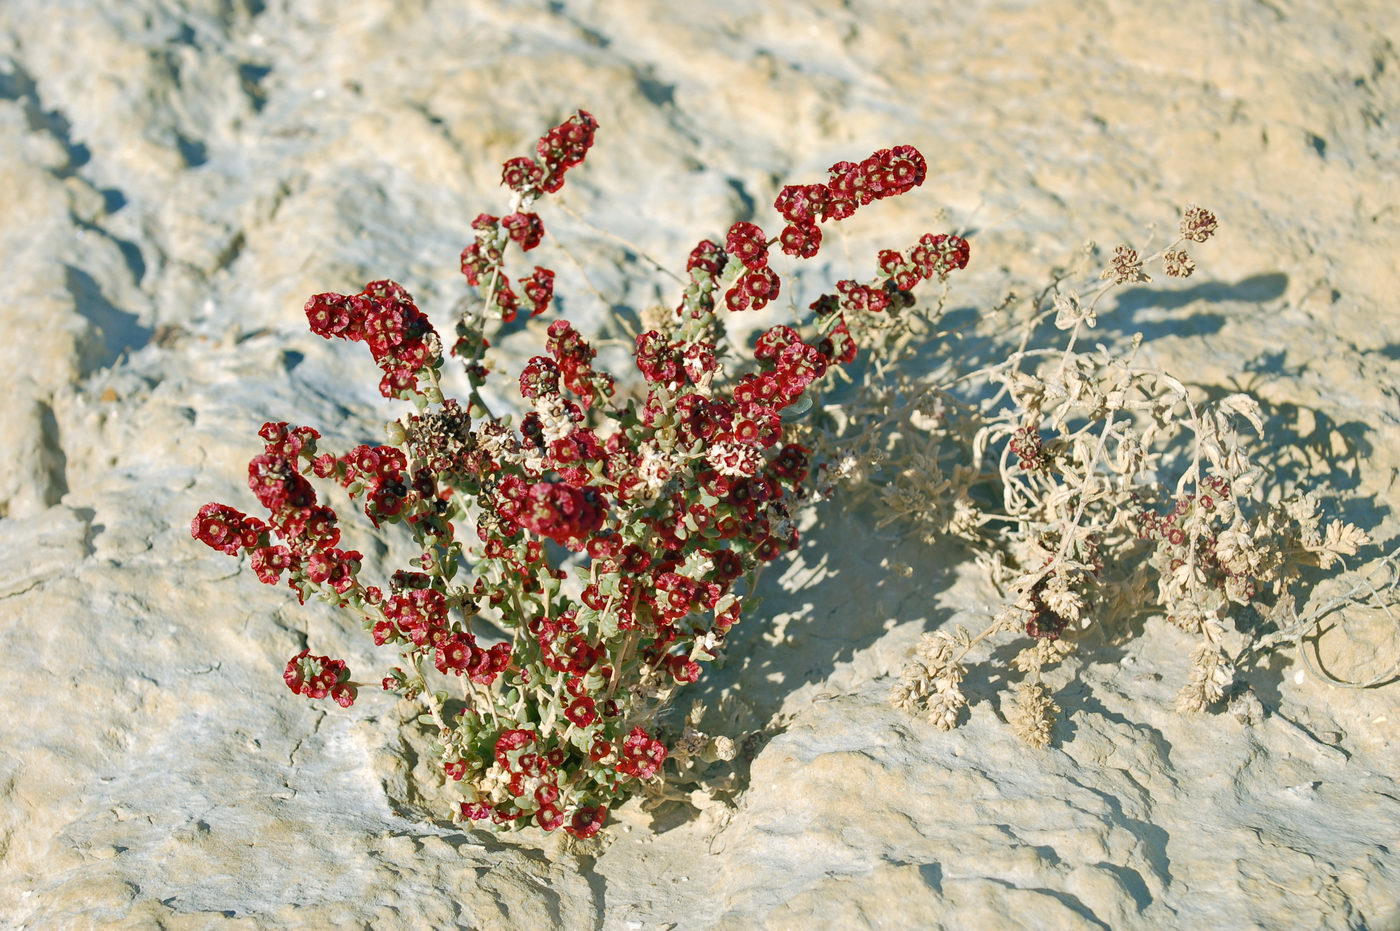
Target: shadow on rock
[[1127, 314]]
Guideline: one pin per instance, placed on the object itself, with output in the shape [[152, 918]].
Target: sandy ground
[[177, 177]]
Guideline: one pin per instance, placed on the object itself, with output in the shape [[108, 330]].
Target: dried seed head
[[1178, 264], [1032, 714], [1197, 224], [1126, 267]]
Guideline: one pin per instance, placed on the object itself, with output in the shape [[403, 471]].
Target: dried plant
[[1052, 463]]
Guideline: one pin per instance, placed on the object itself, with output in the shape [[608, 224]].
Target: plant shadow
[[821, 608], [1130, 311]]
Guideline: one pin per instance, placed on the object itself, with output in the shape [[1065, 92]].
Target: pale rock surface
[[178, 177]]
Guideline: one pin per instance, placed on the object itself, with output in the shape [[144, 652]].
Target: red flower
[[476, 811], [802, 239], [549, 817], [587, 820], [384, 316], [581, 712], [802, 203], [539, 290], [510, 742], [522, 174], [525, 229], [343, 694], [336, 567], [754, 288], [706, 256], [270, 561]]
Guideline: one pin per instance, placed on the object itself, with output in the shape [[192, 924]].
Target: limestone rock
[[177, 178]]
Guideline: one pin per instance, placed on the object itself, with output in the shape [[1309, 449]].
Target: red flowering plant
[[670, 502]]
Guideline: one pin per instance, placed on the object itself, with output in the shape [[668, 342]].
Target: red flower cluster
[[1175, 545], [418, 615], [525, 229], [378, 473], [320, 676], [1028, 447], [533, 776], [564, 146], [558, 150], [933, 256], [663, 362], [522, 175], [795, 365], [758, 284], [753, 290], [642, 755], [483, 261], [539, 378], [308, 530], [539, 290], [704, 266], [565, 514], [564, 649], [886, 173], [803, 240], [383, 315], [336, 568], [747, 243], [226, 529], [483, 258], [461, 655], [575, 359]]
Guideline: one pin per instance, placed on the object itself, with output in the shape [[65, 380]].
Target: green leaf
[[732, 269]]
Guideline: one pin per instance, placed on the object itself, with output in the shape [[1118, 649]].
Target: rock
[[180, 177]]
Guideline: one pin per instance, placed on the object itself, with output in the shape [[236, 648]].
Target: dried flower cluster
[[614, 542]]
